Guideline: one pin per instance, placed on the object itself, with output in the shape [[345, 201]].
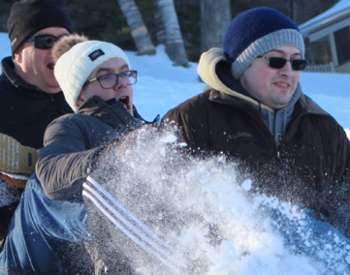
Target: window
[[342, 42], [318, 52]]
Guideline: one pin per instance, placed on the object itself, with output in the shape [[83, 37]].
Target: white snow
[[5, 48], [162, 86], [211, 222]]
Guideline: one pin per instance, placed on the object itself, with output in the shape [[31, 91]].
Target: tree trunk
[[174, 44], [160, 31], [215, 17], [137, 27]]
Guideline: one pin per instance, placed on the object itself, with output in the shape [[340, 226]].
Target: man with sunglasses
[[30, 97], [256, 113]]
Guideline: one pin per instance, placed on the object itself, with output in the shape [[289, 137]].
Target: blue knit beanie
[[255, 32]]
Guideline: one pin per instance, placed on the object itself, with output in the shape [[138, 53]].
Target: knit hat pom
[[65, 44]]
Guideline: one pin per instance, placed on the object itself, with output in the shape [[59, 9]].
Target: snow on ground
[[5, 48], [162, 85]]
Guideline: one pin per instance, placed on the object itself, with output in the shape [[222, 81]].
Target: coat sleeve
[[335, 198], [174, 116], [191, 118], [65, 159]]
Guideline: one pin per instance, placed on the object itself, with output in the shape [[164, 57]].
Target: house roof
[[336, 13]]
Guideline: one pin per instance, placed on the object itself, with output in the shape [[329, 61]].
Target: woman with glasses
[[96, 79]]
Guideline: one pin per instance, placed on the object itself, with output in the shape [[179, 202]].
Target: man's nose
[[287, 68]]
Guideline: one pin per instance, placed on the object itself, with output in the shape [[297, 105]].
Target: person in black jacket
[[30, 97], [96, 79]]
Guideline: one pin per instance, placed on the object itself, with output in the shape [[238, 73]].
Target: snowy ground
[[162, 86], [262, 235]]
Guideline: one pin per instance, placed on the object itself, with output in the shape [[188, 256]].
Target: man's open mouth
[[50, 66]]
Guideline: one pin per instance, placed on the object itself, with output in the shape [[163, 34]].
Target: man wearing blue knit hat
[[255, 112]]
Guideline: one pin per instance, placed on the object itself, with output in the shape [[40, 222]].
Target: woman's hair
[[65, 44]]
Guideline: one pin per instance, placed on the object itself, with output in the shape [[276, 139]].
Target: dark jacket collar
[[8, 69], [109, 111]]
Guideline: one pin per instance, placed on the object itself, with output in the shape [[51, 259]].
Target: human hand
[[12, 182]]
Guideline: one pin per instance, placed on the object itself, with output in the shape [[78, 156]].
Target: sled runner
[[132, 227]]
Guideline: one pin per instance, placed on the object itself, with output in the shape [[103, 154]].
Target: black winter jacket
[[73, 142], [25, 111]]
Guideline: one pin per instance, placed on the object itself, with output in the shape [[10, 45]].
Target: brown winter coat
[[308, 164]]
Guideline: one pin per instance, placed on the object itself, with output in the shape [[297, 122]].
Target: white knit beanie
[[74, 67]]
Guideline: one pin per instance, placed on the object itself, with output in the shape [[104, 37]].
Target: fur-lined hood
[[207, 71]]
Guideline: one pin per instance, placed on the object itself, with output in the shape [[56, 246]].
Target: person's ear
[[17, 57]]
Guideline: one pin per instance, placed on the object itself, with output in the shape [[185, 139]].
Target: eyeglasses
[[276, 62], [110, 80], [44, 41]]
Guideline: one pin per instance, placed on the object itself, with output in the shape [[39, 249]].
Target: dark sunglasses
[[110, 80], [44, 41], [275, 62]]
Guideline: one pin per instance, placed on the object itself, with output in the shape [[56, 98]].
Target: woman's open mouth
[[126, 101]]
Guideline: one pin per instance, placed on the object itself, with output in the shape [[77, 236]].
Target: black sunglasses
[[44, 41], [276, 62]]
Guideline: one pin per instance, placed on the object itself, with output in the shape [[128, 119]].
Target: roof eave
[[316, 25]]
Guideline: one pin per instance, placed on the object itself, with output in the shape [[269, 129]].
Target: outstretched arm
[[66, 159]]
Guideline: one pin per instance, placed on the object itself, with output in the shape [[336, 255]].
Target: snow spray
[[211, 221]]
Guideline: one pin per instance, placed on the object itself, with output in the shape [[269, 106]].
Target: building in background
[[327, 38]]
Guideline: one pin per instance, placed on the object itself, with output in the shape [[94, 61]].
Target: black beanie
[[30, 16]]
